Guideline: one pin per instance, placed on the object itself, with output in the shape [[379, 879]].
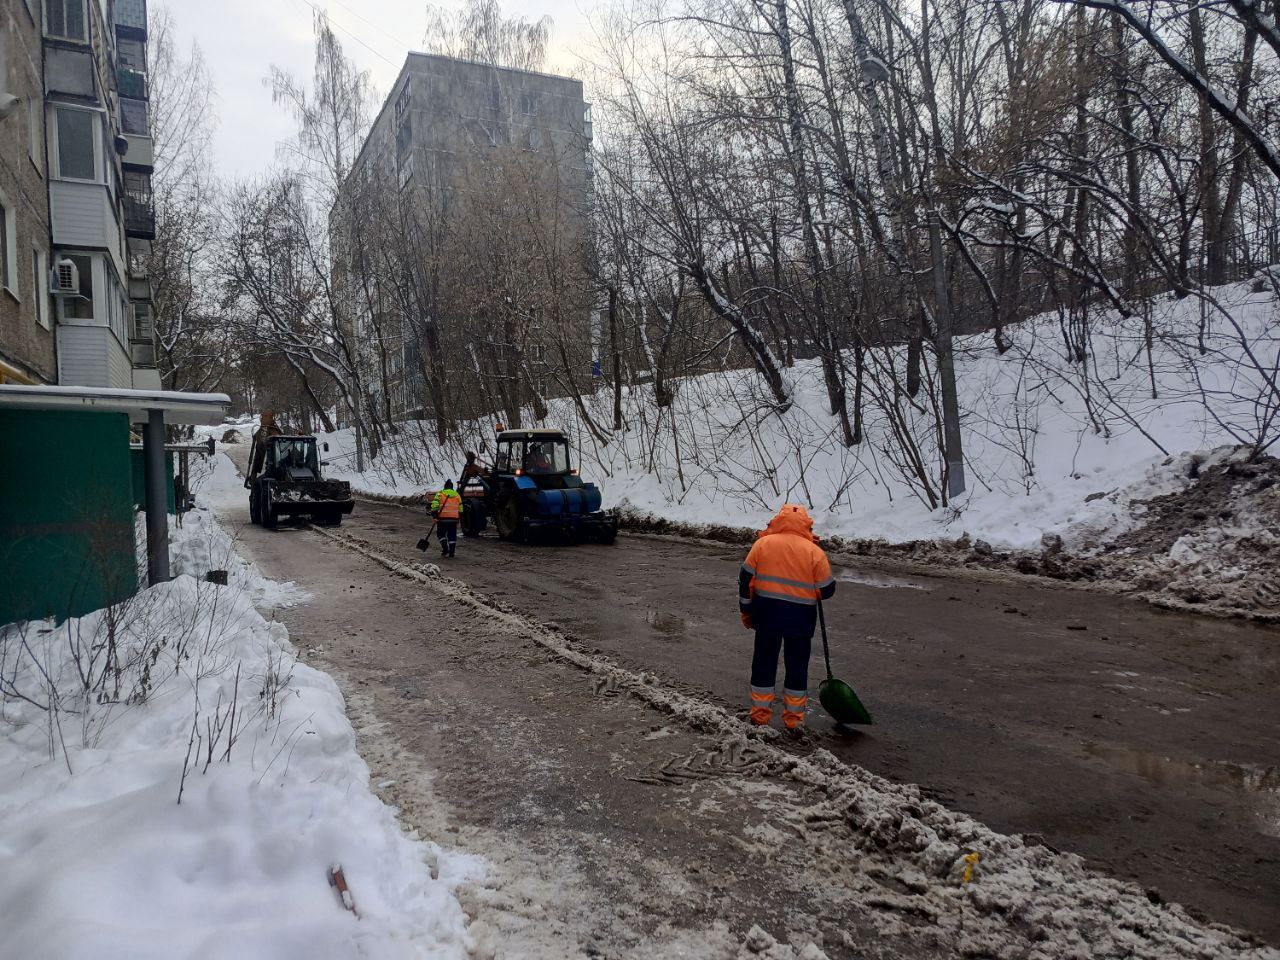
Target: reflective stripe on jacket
[[786, 564], [447, 505]]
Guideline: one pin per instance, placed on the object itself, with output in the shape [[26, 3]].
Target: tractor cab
[[540, 455], [534, 489], [292, 458]]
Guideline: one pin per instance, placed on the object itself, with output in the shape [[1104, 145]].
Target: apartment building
[[90, 172], [26, 309], [443, 118]]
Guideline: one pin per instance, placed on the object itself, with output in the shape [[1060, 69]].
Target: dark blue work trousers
[[447, 531], [795, 657]]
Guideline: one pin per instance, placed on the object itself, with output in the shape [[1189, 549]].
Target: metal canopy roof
[[203, 408]]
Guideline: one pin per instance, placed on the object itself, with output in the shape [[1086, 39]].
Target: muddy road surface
[[1145, 741]]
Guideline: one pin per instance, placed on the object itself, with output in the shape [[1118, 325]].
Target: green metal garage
[[67, 529]]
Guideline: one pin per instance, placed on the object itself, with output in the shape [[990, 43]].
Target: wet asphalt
[[1144, 740]]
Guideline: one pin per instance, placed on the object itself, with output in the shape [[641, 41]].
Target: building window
[[66, 19], [404, 139], [537, 353], [534, 138], [495, 97], [132, 54], [117, 309], [402, 101], [142, 325], [528, 104], [8, 238], [133, 117], [76, 144], [39, 288], [79, 307]]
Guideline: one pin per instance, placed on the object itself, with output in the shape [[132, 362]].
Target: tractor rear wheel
[[255, 510], [507, 518]]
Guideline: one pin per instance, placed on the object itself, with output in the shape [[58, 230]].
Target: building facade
[[94, 162], [26, 309], [443, 120]]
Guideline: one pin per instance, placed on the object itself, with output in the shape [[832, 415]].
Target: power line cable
[[386, 33], [376, 53]]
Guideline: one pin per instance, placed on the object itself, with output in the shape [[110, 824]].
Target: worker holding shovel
[[446, 507], [783, 582], [785, 575]]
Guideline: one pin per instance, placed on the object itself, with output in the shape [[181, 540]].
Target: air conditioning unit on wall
[[64, 278]]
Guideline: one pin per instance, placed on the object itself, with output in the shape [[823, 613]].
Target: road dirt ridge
[[985, 893]]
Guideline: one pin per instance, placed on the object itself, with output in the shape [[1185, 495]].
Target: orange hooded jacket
[[785, 566]]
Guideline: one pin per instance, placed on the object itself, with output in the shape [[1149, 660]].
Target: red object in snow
[[339, 883]]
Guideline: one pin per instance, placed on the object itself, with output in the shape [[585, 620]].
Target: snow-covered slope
[[1051, 445]]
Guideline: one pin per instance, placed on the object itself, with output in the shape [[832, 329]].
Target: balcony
[[141, 152], [131, 15], [139, 215], [131, 83], [142, 353], [134, 118]]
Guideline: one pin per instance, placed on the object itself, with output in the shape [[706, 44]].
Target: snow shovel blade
[[423, 544], [839, 700]]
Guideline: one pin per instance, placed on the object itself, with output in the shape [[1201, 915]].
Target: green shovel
[[836, 696]]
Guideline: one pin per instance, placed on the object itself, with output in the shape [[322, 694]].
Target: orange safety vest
[[786, 562], [450, 505]]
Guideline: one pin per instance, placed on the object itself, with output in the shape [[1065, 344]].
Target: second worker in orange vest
[[785, 575], [446, 507]]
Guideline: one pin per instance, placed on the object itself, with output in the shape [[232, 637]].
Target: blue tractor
[[533, 491]]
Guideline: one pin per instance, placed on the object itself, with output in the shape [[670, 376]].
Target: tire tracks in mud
[[914, 866]]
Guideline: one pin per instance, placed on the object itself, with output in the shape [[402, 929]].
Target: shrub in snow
[[186, 691]]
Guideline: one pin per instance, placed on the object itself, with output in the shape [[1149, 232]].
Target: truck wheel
[[255, 511], [334, 519], [270, 519]]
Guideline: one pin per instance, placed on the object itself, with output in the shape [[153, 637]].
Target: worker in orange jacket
[[446, 507], [784, 576]]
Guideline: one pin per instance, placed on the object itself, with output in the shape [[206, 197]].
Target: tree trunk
[[1210, 199]]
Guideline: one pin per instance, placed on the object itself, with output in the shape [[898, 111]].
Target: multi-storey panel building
[[95, 161], [443, 120]]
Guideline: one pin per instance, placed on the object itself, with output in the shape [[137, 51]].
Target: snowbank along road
[[1144, 741]]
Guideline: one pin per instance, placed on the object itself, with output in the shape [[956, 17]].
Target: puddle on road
[[666, 624], [1258, 785], [845, 575]]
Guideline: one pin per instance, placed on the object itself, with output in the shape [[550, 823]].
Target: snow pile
[[185, 691], [1214, 543]]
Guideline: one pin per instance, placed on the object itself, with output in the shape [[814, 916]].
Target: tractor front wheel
[[267, 509], [255, 510]]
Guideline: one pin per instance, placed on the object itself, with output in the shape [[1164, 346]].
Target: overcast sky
[[241, 39]]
